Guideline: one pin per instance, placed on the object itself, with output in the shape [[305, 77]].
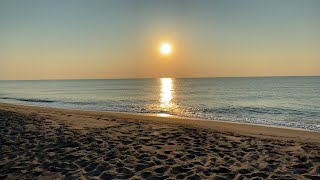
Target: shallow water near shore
[[284, 101]]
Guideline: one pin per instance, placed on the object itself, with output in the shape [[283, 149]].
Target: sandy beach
[[49, 143]]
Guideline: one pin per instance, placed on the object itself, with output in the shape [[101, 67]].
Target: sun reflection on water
[[166, 94]]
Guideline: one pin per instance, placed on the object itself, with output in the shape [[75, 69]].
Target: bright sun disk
[[166, 48]]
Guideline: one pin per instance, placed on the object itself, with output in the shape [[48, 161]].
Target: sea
[[279, 101]]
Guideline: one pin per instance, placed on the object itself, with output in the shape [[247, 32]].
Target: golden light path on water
[[166, 95]]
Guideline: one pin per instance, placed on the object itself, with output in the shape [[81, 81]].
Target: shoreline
[[164, 115], [263, 122], [270, 131], [51, 143]]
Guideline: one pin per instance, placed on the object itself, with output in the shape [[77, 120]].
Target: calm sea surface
[[284, 101]]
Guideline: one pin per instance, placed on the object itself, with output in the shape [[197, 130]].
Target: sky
[[82, 39]]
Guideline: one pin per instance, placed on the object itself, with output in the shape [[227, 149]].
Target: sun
[[166, 48]]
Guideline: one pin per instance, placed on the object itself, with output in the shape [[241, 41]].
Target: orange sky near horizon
[[112, 39]]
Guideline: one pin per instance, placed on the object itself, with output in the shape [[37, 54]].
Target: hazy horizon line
[[197, 77]]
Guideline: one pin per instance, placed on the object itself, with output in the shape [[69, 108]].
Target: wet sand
[[48, 143]]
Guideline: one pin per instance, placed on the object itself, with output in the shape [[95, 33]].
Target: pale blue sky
[[42, 39]]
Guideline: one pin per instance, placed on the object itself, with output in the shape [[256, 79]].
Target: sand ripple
[[34, 146]]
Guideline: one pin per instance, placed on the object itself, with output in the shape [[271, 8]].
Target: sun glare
[[166, 93], [166, 49]]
